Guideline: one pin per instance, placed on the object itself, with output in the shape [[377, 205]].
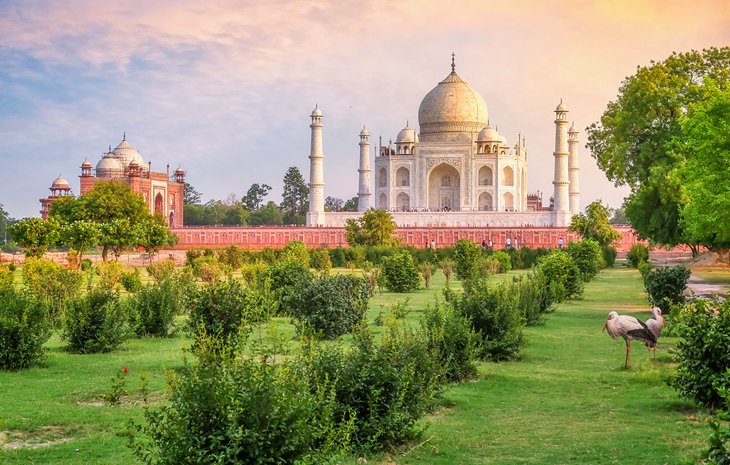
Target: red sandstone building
[[161, 192]]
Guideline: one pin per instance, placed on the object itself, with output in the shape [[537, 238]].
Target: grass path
[[568, 400]]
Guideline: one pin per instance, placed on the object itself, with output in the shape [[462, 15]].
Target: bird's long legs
[[628, 354]]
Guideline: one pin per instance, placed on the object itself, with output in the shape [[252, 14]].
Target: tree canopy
[[255, 195], [594, 224], [294, 197], [374, 227], [634, 140], [191, 196]]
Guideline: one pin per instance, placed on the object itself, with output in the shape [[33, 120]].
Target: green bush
[[86, 264], [231, 256], [162, 270], [285, 278], [50, 282], [320, 260], [466, 254], [24, 329], [587, 256], [238, 410], [383, 388], [452, 337], [665, 286], [132, 280], [295, 251], [96, 322], [703, 352], [225, 309], [504, 259], [563, 276], [533, 297], [110, 274], [609, 255], [7, 278], [330, 306], [153, 308], [400, 273], [208, 269], [495, 315], [637, 255]]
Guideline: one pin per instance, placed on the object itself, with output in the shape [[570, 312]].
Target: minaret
[[561, 154], [315, 217], [363, 195], [573, 170]]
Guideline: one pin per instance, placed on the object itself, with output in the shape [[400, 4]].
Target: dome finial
[[453, 64], [124, 136]]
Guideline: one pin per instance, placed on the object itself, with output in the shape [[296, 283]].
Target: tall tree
[[80, 236], [191, 196], [294, 197], [4, 223], [333, 204], [36, 235], [619, 216], [351, 205], [594, 224], [633, 140], [255, 196], [374, 227], [269, 215]]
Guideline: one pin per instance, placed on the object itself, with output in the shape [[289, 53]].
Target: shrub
[[284, 278], [331, 306], [295, 251], [162, 270], [224, 309], [250, 272], [400, 274], [533, 297], [208, 269], [7, 278], [320, 260], [504, 260], [51, 283], [385, 388], [637, 255], [154, 307], [86, 264], [718, 452], [454, 340], [427, 270], [562, 275], [110, 274], [484, 266], [24, 329], [231, 256], [447, 268], [495, 315], [587, 256], [703, 352], [131, 280], [609, 255], [239, 410], [466, 254], [665, 286], [96, 322]]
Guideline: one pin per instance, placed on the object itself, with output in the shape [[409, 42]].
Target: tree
[[191, 196], [80, 236], [374, 227], [705, 144], [294, 197], [633, 140], [619, 216], [269, 214], [152, 234], [117, 235], [351, 205], [4, 223], [594, 224], [255, 195], [36, 235], [333, 204], [106, 201]]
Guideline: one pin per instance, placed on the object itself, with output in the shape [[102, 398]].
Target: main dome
[[452, 107]]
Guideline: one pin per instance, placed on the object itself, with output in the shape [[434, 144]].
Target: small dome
[[406, 135], [489, 134], [572, 128], [126, 153], [60, 183], [179, 170], [561, 107], [364, 132], [108, 166], [133, 164], [316, 111], [86, 164]]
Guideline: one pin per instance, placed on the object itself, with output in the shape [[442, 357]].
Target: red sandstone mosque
[[162, 192]]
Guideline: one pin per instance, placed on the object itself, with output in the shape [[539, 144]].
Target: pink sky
[[226, 90]]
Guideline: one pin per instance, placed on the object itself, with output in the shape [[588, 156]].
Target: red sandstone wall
[[261, 237]]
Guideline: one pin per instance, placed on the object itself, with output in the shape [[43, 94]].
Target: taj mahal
[[456, 170]]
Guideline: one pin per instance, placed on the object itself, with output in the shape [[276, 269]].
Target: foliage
[[447, 267], [637, 254], [131, 280], [330, 306], [703, 352], [96, 322], [504, 260], [240, 410], [117, 235], [564, 280], [533, 297], [333, 204], [665, 286], [269, 214], [226, 309], [705, 145], [451, 336], [427, 270], [465, 256], [635, 138], [80, 236], [36, 235], [609, 255], [285, 278], [399, 273], [24, 329], [216, 212], [320, 260], [374, 227], [719, 453], [152, 235], [231, 256], [255, 195], [7, 278], [191, 196], [383, 388], [208, 269], [162, 270], [110, 275], [351, 205], [51, 283], [587, 256], [296, 251], [294, 197], [154, 306], [594, 224]]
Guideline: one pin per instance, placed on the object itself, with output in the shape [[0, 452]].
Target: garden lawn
[[567, 401]]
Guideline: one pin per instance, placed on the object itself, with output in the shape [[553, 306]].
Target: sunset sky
[[226, 90]]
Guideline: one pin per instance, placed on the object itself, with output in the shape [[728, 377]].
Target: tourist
[[508, 243], [560, 243]]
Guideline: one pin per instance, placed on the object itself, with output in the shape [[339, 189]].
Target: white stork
[[655, 325], [629, 328]]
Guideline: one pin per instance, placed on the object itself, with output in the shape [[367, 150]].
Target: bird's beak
[[604, 327]]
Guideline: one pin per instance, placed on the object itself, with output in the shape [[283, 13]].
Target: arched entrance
[[403, 202], [443, 188], [485, 201], [159, 208]]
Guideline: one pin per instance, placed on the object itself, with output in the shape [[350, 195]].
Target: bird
[[655, 325], [629, 328]]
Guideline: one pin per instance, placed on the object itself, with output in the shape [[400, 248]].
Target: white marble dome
[[126, 153], [489, 134], [60, 183], [452, 106], [406, 135], [108, 167]]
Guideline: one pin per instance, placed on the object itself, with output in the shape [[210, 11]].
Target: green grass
[[567, 400], [713, 275]]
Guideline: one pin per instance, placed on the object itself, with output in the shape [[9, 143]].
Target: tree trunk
[[105, 253]]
